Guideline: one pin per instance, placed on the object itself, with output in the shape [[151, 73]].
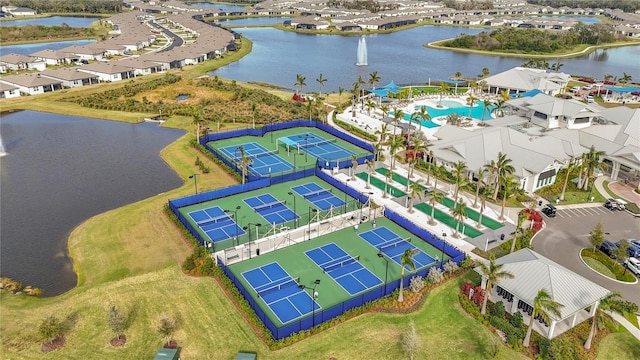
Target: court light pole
[[444, 242], [295, 219], [235, 218], [386, 270], [195, 181], [311, 210], [248, 228], [306, 149], [314, 297]]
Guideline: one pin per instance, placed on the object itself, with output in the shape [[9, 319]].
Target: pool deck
[[372, 121]]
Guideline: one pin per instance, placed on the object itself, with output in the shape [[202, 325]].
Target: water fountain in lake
[[362, 52], [2, 152]]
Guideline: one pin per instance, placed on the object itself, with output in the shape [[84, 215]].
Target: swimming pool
[[478, 111]]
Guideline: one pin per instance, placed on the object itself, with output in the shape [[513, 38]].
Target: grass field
[[131, 257]]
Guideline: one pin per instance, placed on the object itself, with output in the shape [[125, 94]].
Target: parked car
[[575, 88], [587, 87], [549, 210], [634, 248], [609, 248], [615, 204], [589, 99], [633, 265]]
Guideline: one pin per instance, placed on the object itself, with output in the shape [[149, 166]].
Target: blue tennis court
[[322, 198], [343, 268], [217, 224], [265, 162], [271, 209], [317, 146], [394, 246], [280, 292]]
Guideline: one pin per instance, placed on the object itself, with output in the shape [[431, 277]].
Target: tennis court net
[[270, 205], [255, 155], [270, 290], [316, 193], [213, 220], [308, 144], [393, 244], [340, 264]]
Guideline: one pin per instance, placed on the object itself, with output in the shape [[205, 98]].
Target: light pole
[[345, 194], [306, 147], [444, 242], [195, 181], [311, 210], [386, 270], [235, 217], [295, 219], [248, 227], [314, 297]]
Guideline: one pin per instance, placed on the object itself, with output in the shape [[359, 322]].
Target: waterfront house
[[32, 84], [8, 91], [70, 77]]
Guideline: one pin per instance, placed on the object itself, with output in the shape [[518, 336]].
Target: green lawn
[[599, 267]]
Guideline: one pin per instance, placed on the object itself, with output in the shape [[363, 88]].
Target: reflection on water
[[61, 170], [600, 55]]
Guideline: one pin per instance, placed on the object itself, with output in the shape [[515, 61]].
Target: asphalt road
[[568, 232]]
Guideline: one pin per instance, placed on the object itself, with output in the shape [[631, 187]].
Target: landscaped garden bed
[[612, 267]]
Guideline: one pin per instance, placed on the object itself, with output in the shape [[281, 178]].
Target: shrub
[[434, 276], [544, 348], [516, 320], [467, 262], [478, 296], [416, 284], [497, 309], [450, 267]]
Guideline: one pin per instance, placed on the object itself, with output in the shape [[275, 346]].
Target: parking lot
[[567, 233]]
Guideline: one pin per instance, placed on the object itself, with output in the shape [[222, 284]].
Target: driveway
[[564, 236]]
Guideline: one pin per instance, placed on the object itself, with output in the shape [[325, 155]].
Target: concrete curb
[[590, 268]]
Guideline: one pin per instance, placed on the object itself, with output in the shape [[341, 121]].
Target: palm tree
[[434, 198], [253, 115], [612, 303], [354, 165], [504, 168], [385, 110], [406, 261], [443, 89], [438, 172], [422, 115], [625, 78], [383, 133], [419, 146], [493, 273], [485, 72], [480, 183], [591, 162], [510, 185], [387, 177], [340, 92], [373, 79], [460, 177], [522, 216], [300, 82], [321, 80], [397, 116], [370, 167], [485, 103], [471, 101], [370, 104], [197, 121], [484, 194], [500, 105], [431, 161], [570, 168], [244, 162], [396, 143], [415, 191], [543, 304], [459, 213]]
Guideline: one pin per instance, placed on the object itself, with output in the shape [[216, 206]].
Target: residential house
[[71, 77], [8, 91], [32, 84], [19, 62], [108, 71]]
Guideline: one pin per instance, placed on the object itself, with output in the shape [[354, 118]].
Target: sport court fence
[[321, 163], [354, 200], [320, 316]]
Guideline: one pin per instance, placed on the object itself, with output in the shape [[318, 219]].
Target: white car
[[575, 88], [633, 265]]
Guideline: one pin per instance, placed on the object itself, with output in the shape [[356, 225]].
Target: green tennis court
[[331, 291]]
